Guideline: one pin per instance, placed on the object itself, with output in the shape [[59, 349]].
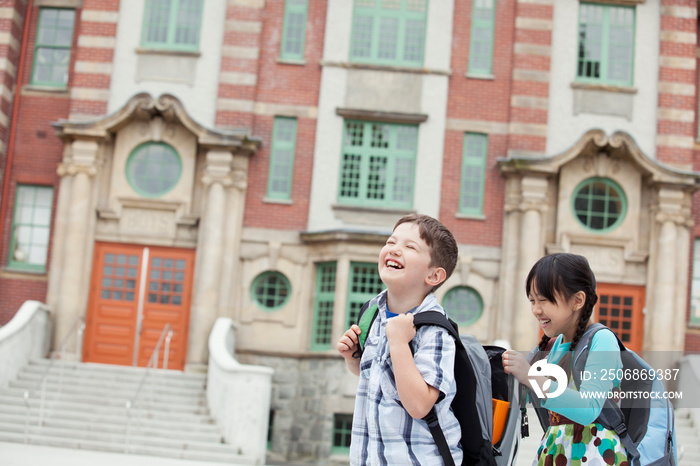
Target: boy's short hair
[[443, 247]]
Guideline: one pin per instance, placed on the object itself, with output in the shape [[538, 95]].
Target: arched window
[[153, 169], [463, 305]]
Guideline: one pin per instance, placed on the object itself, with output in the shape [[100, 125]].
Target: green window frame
[[389, 32], [377, 167], [153, 169], [342, 433], [471, 193], [363, 284], [695, 285], [482, 37], [52, 47], [271, 290], [294, 30], [279, 180], [464, 305], [31, 225], [599, 204], [324, 304], [606, 44], [172, 24]]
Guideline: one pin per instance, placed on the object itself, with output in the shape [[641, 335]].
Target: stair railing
[[78, 328], [165, 335]]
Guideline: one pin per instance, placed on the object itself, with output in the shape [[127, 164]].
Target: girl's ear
[[578, 300], [436, 276]]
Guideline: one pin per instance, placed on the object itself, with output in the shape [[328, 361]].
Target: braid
[[589, 305], [543, 343]]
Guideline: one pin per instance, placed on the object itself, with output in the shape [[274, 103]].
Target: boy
[[404, 373]]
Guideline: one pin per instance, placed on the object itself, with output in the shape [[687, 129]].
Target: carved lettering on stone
[[607, 260], [147, 222]]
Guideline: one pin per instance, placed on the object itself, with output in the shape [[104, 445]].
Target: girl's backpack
[[487, 400], [645, 424]]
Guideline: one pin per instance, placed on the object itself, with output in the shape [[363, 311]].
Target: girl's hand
[[400, 329], [516, 364]]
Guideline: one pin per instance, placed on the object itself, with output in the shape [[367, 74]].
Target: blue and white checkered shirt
[[383, 433]]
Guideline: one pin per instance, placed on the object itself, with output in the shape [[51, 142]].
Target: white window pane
[[37, 255]]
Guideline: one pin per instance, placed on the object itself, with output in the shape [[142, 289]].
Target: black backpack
[[481, 384]]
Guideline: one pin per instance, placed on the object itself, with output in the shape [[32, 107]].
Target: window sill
[[604, 87], [38, 89], [369, 210], [470, 216], [399, 69], [288, 61], [179, 53], [483, 77], [14, 272], [269, 200]]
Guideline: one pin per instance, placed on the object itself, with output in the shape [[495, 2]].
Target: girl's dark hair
[[564, 274]]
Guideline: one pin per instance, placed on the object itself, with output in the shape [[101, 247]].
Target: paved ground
[[17, 454]]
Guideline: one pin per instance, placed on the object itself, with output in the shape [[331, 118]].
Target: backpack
[[486, 396], [645, 425]]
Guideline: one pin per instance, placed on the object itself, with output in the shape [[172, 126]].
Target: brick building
[[176, 161]]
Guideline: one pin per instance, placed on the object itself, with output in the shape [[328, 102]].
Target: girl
[[562, 293]]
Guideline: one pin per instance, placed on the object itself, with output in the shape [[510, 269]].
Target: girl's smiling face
[[560, 317]]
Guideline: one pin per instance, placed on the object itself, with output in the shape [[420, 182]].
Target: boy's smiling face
[[404, 261]]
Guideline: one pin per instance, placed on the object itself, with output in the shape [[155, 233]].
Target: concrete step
[[119, 394], [210, 452], [106, 369], [181, 430], [97, 380]]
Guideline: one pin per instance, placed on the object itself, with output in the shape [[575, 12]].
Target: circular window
[[271, 290], [153, 169], [599, 204], [464, 305]]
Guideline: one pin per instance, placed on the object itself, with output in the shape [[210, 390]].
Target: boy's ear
[[436, 276]]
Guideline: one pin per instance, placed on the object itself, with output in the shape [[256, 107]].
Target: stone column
[[661, 311], [205, 296], [70, 297], [531, 248]]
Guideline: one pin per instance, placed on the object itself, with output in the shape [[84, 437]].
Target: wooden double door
[[621, 308], [135, 291]]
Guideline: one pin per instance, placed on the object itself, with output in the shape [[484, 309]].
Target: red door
[[135, 291], [621, 308]]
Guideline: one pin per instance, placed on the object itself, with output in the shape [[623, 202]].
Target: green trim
[[695, 285], [473, 174], [482, 37], [294, 30], [148, 171], [172, 24], [592, 208], [324, 304], [52, 47], [342, 433], [389, 32], [271, 291], [31, 228], [464, 305], [377, 166], [282, 151], [607, 58], [363, 284]]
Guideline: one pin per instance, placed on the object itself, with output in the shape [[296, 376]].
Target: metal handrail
[[167, 334], [79, 326]]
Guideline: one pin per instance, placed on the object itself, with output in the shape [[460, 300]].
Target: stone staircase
[[169, 419]]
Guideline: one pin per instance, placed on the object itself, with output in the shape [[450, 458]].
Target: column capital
[[72, 169]]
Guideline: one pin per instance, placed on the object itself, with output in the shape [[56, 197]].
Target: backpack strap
[[365, 319], [441, 320]]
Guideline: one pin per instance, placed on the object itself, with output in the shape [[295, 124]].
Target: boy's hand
[[349, 341], [400, 329]]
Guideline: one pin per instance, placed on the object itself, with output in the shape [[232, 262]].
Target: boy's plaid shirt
[[383, 433]]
